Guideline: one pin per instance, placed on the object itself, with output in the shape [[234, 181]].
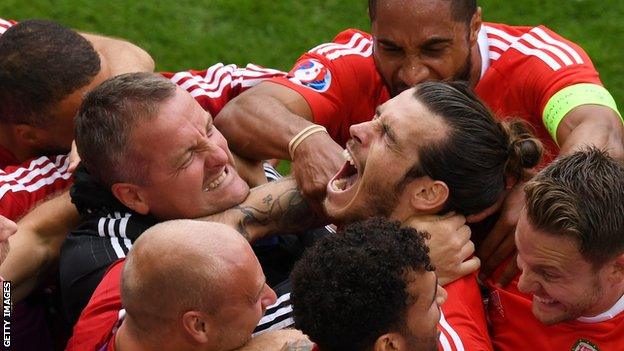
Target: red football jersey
[[522, 68], [22, 186], [463, 323], [526, 66], [514, 327]]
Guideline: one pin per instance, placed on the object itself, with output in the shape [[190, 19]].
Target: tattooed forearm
[[276, 207], [282, 209]]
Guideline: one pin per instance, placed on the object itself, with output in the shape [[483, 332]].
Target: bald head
[[178, 266]]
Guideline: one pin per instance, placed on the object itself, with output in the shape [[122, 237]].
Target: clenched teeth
[[215, 183], [544, 300], [347, 156], [339, 184]]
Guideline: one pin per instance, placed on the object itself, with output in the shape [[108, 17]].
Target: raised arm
[[594, 125], [261, 122], [37, 243]]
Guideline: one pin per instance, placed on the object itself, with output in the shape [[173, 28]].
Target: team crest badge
[[312, 74], [584, 345]]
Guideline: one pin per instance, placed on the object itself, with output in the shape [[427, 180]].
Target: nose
[[214, 154], [442, 295], [361, 133], [526, 283], [413, 71], [269, 297]]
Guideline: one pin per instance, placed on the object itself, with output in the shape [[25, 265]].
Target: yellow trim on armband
[[573, 96]]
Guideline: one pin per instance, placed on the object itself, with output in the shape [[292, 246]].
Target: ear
[[28, 135], [130, 195], [196, 326], [428, 196], [618, 269], [389, 342], [475, 26]]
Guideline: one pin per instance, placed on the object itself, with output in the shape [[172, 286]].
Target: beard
[[574, 311], [464, 73], [379, 203]]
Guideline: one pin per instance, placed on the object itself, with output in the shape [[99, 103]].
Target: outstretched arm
[[592, 125], [276, 207]]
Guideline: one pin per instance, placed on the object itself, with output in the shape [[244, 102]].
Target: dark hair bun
[[525, 150]]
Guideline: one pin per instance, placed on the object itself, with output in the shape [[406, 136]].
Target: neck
[[611, 298], [126, 339]]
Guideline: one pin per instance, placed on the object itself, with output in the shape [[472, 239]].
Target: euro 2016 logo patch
[[584, 345], [312, 74]]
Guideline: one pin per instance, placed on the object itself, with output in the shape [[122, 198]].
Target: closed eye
[[188, 161]]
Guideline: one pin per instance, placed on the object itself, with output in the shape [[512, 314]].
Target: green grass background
[[186, 34], [183, 34]]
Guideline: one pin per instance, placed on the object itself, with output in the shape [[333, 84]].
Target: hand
[[499, 243], [251, 171], [7, 228], [74, 158], [317, 159], [449, 245]]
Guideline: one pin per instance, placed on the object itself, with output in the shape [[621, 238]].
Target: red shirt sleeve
[[5, 24], [529, 66], [218, 84], [339, 82], [25, 185]]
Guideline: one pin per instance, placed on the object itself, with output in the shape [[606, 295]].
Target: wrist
[[304, 134]]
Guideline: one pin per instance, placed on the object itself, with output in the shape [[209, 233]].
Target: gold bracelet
[[301, 136]]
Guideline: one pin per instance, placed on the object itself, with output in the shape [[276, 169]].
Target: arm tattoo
[[299, 345], [283, 211]]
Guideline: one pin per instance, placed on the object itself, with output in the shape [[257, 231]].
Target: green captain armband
[[573, 96]]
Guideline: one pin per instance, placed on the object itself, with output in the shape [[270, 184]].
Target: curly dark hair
[[350, 288], [41, 63]]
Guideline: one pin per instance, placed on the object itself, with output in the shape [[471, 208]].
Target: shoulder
[[351, 42], [539, 46]]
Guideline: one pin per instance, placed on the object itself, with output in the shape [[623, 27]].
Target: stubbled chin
[[548, 314]]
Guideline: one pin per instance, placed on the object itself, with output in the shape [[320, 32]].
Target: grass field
[[186, 34], [183, 34]]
